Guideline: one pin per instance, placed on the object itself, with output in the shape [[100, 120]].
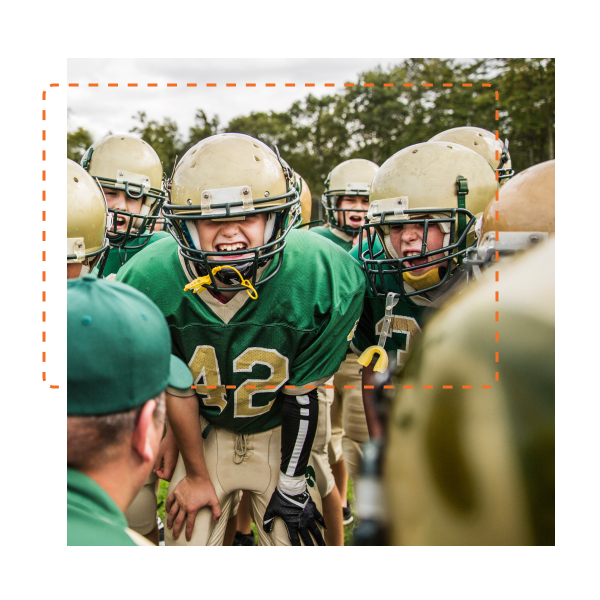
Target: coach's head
[[119, 364]]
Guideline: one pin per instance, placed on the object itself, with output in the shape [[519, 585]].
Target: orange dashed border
[[52, 387], [269, 85]]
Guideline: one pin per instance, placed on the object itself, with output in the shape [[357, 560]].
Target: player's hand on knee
[[299, 515], [188, 497], [166, 459]]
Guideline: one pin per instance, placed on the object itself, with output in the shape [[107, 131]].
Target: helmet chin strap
[[269, 226], [145, 210]]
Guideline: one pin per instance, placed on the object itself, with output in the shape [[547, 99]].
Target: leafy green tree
[[77, 143], [527, 108], [203, 128], [163, 137]]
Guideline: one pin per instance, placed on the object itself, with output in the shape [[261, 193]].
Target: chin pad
[[427, 280]]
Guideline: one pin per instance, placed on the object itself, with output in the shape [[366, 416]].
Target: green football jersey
[[329, 234], [115, 255], [244, 352]]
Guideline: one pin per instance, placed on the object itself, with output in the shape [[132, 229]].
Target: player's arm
[[195, 490], [166, 459], [291, 500], [368, 393]]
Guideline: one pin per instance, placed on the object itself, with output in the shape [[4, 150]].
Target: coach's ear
[[145, 437]]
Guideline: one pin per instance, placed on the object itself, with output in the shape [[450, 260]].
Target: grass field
[[348, 529]]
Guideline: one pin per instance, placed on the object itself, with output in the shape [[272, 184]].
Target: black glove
[[299, 514]]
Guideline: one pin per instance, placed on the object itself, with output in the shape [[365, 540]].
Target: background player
[[87, 221], [131, 175], [486, 144], [346, 200], [231, 198]]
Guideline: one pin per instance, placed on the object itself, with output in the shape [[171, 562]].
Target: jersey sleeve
[[364, 336], [322, 357]]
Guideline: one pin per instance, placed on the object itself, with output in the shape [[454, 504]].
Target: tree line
[[374, 122]]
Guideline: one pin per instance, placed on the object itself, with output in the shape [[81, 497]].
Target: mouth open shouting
[[355, 220], [416, 259]]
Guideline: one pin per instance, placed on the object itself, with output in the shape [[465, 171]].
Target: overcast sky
[[104, 109]]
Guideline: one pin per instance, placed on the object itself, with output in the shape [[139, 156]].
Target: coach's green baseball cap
[[118, 349]]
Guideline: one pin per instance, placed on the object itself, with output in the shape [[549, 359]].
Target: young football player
[[470, 460], [423, 206], [346, 201], [262, 313], [87, 221], [131, 175], [243, 534]]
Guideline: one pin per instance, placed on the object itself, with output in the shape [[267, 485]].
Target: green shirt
[[93, 518], [115, 255], [329, 234], [244, 352]]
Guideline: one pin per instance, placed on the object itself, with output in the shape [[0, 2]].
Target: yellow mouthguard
[[382, 362], [198, 284], [418, 282]]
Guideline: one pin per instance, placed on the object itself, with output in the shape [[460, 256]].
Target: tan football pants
[[141, 513], [348, 422], [319, 453], [235, 463]]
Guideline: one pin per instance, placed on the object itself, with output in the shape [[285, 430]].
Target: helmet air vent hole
[[255, 145], [450, 147], [256, 158], [474, 143], [75, 180], [193, 166], [122, 138], [415, 151]]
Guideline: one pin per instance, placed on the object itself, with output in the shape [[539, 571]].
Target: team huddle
[[257, 363]]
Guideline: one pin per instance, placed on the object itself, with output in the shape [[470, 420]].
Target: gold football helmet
[[483, 142], [304, 210], [126, 162], [226, 177], [87, 217], [350, 178], [434, 184], [522, 217]]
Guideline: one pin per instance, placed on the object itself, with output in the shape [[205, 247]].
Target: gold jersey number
[[207, 377], [406, 325]]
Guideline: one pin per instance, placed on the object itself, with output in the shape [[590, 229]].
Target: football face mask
[[387, 270], [229, 177], [127, 164], [351, 178]]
